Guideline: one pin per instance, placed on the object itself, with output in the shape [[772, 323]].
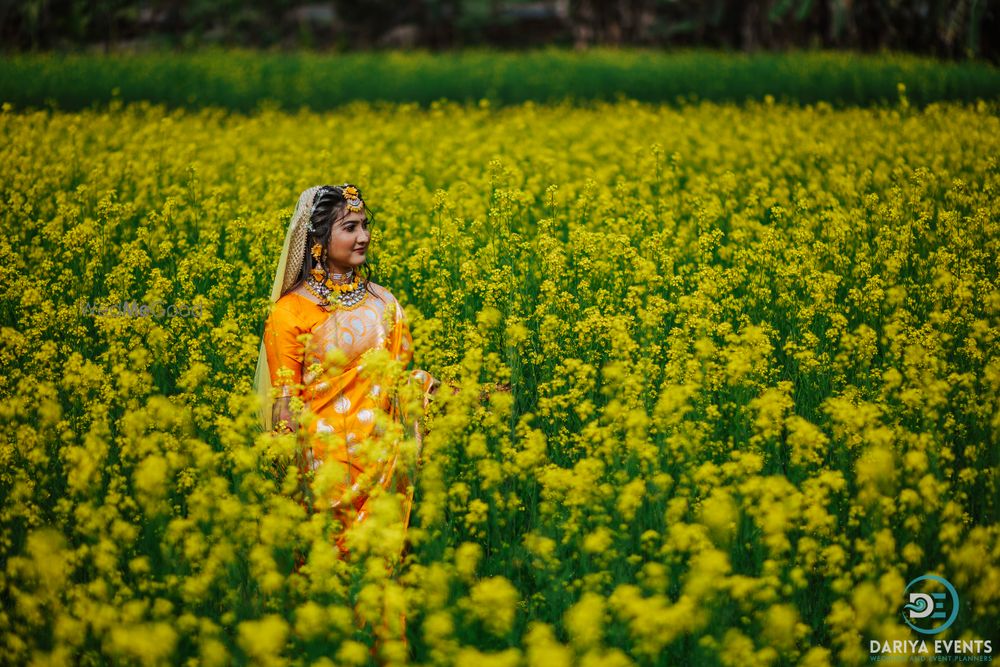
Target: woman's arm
[[285, 356]]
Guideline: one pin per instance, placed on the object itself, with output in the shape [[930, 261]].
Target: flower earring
[[317, 271]]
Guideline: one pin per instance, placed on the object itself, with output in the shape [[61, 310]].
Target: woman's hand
[[283, 417], [484, 393]]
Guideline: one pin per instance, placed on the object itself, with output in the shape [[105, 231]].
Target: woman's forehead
[[348, 217]]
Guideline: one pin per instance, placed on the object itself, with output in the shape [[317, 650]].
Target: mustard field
[[752, 351]]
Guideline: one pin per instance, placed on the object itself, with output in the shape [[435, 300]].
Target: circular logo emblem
[[932, 605]]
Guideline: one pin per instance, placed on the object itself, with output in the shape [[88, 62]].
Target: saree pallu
[[343, 401]]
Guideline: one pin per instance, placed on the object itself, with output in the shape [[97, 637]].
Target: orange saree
[[343, 403]]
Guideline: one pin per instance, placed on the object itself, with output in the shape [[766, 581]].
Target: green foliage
[[242, 80]]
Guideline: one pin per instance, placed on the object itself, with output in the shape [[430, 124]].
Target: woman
[[326, 322]]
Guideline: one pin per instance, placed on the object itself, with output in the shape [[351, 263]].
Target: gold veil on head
[[288, 274]]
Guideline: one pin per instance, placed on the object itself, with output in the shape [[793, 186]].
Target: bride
[[328, 321]]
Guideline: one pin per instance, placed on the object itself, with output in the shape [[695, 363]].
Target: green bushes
[[243, 80]]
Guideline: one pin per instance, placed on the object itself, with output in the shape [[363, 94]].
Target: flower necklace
[[346, 295]]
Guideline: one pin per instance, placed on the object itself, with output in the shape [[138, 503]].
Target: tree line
[[955, 29]]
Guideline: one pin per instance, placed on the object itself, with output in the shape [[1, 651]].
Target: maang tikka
[[352, 197]]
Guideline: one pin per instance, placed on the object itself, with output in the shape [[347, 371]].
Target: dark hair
[[328, 204]]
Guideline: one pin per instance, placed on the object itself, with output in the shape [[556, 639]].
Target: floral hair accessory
[[352, 197], [309, 222]]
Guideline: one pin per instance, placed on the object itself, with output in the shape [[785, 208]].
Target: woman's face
[[349, 237]]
